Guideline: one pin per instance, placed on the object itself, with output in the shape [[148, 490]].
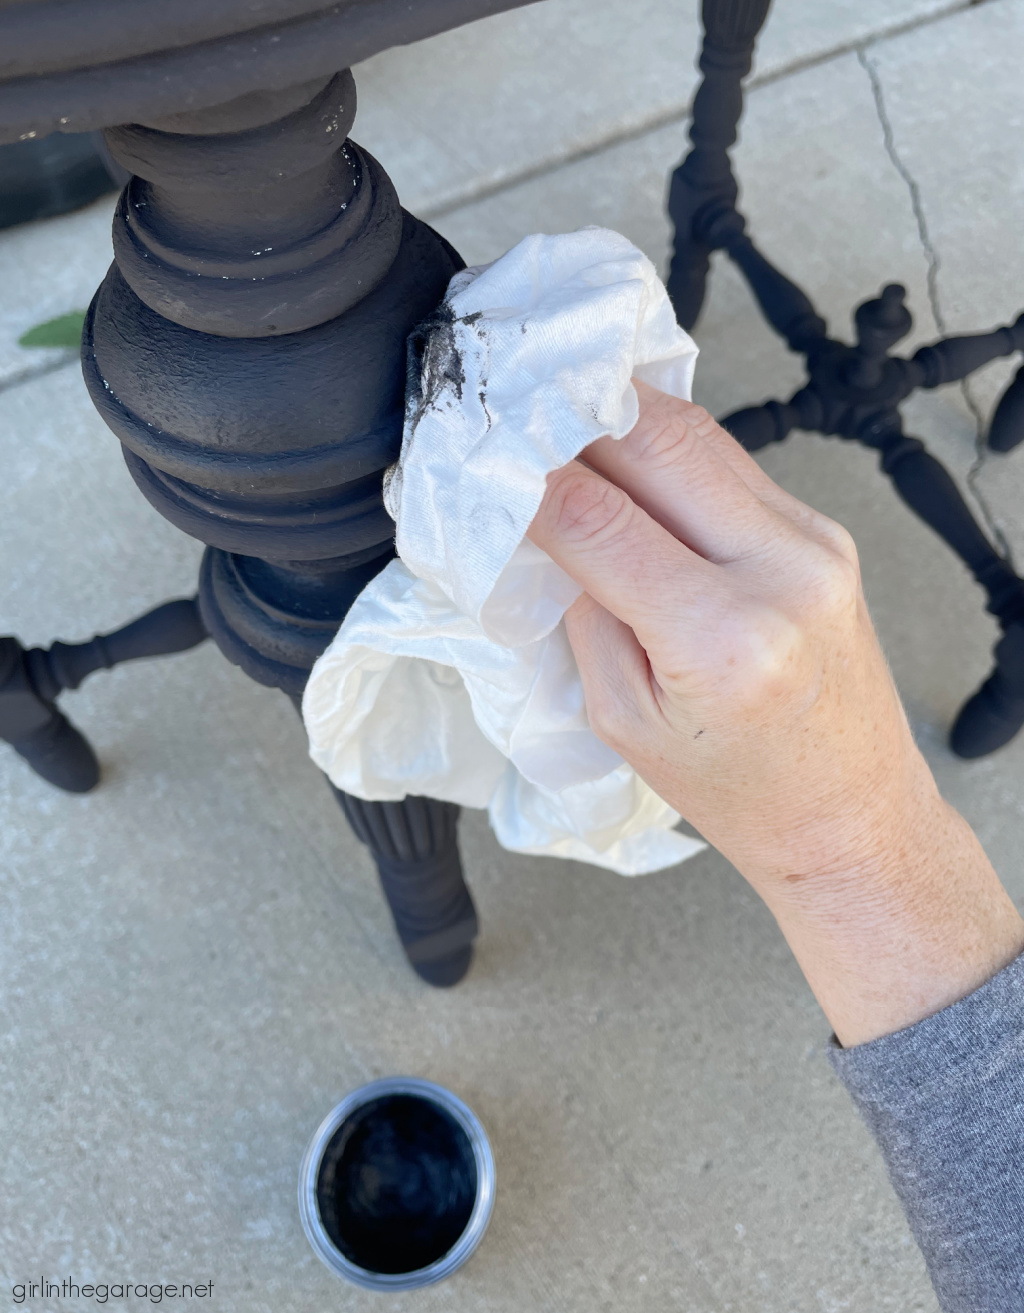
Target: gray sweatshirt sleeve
[[945, 1101]]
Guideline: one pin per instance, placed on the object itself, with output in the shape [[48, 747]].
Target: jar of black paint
[[397, 1185]]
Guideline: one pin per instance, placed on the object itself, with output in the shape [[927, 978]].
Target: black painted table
[[247, 348]]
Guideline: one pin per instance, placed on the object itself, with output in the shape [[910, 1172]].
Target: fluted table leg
[[415, 845]]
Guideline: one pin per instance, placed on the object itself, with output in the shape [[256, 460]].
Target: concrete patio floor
[[195, 961]]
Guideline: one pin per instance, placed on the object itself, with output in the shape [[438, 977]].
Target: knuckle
[[612, 711], [764, 658], [591, 510], [774, 652], [605, 704], [696, 418], [608, 718], [840, 540], [834, 584], [669, 430]]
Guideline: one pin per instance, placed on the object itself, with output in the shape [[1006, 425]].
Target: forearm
[[726, 652]]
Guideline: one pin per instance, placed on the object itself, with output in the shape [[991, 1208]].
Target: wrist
[[905, 926]]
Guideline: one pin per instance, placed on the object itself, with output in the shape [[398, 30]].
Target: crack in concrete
[[934, 263]]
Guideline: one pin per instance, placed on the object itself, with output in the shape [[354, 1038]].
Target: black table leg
[[415, 845]]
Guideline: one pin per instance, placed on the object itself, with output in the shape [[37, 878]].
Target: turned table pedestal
[[247, 348]]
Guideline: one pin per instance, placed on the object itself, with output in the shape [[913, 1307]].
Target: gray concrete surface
[[195, 960]]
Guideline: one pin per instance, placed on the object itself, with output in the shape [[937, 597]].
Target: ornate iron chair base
[[851, 392]]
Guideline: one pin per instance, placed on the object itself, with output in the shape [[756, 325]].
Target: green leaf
[[64, 331]]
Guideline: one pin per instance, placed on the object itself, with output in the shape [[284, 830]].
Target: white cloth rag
[[452, 675]]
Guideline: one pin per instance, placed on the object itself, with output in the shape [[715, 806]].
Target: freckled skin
[[727, 653]]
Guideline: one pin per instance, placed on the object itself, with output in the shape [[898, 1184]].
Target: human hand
[[727, 653]]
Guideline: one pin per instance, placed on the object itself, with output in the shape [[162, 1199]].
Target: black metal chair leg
[[32, 679], [415, 845]]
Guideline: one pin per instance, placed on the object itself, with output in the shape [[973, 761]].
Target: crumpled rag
[[452, 676]]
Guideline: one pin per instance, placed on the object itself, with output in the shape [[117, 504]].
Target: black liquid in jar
[[397, 1184]]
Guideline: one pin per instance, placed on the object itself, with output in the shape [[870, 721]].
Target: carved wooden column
[[247, 347]]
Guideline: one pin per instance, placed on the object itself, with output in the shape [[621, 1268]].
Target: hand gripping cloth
[[452, 675]]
